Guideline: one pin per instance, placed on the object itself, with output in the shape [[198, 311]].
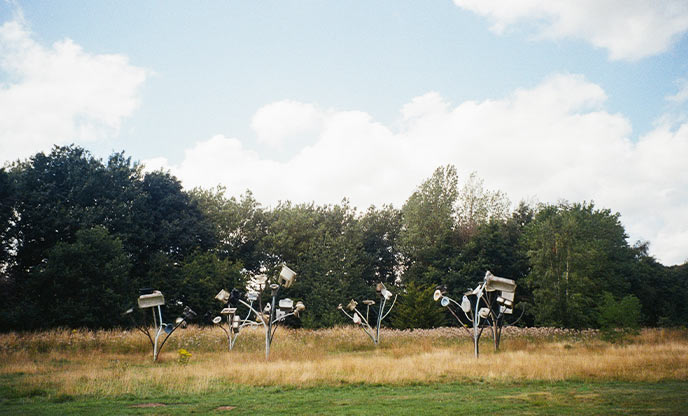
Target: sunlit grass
[[111, 363]]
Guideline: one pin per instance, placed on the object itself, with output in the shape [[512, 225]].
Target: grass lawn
[[528, 398], [339, 371]]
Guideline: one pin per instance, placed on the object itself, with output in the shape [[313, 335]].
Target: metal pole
[[476, 321], [379, 320], [268, 332], [157, 333]]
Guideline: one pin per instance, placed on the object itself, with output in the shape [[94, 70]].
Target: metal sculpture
[[485, 306], [269, 316], [364, 321], [154, 300]]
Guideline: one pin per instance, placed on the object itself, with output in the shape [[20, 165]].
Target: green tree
[[428, 240], [203, 274], [576, 252], [619, 317], [323, 245], [417, 309], [55, 195], [477, 206], [239, 224], [81, 284], [379, 231]]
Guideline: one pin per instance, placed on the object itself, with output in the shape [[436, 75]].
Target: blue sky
[[316, 101]]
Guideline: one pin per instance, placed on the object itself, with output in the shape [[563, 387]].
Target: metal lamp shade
[[222, 296], [217, 320], [228, 311], [151, 300], [484, 312], [493, 283], [287, 276], [352, 305], [465, 304], [357, 319], [437, 295], [286, 304], [445, 301]]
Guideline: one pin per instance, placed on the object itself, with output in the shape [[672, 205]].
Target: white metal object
[[494, 298], [286, 304], [228, 311], [465, 304], [493, 283], [223, 296], [437, 295], [151, 300], [364, 320], [270, 314], [286, 276]]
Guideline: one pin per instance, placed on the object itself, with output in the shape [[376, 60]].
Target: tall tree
[[81, 284], [417, 309], [379, 231], [477, 206], [428, 240], [240, 224], [56, 195], [323, 245], [576, 253]]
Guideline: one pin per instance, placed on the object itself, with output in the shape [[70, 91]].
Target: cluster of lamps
[[364, 320], [269, 315], [485, 306]]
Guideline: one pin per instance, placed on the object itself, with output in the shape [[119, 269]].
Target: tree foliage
[[576, 252], [417, 309], [79, 236]]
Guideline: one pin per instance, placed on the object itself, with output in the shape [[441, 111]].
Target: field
[[340, 371]]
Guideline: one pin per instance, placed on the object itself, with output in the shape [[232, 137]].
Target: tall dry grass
[[106, 363]]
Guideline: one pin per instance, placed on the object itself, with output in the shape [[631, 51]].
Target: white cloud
[[628, 29], [283, 120], [59, 94], [682, 95], [552, 141]]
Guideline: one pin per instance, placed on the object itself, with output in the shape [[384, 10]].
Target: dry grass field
[[115, 363]]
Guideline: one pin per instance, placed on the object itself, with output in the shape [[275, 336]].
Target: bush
[[619, 318]]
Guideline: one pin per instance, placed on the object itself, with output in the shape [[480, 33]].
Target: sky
[[316, 101]]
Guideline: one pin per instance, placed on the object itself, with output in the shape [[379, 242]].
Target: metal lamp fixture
[[493, 298], [269, 315], [154, 300], [232, 323], [364, 321]]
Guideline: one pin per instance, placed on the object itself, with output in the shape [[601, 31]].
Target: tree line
[[79, 236]]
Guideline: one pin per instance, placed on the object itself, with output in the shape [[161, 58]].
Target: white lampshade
[[287, 276], [437, 295]]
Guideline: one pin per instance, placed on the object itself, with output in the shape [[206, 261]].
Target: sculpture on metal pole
[[269, 316], [229, 319], [154, 300], [485, 306], [364, 321]]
